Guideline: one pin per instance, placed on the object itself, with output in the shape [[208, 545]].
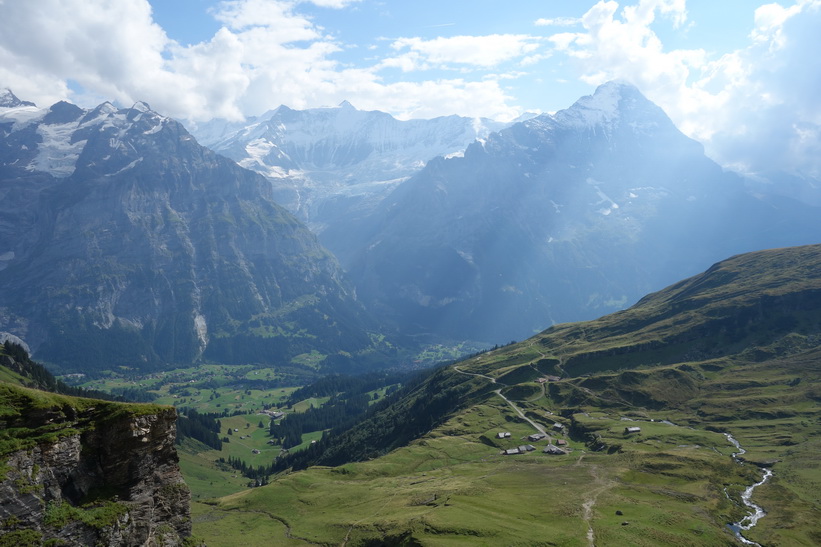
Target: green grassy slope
[[735, 350]]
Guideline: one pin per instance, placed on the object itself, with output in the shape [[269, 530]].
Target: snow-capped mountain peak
[[615, 106], [54, 138], [10, 100], [141, 106]]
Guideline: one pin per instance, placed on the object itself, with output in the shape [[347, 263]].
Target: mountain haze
[[558, 218]]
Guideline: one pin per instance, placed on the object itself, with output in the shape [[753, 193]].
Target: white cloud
[[773, 97], [335, 4], [481, 51], [626, 47], [54, 41], [644, 12], [557, 22], [431, 98], [241, 15], [265, 54]]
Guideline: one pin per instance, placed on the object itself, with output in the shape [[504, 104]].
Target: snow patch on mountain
[[62, 132], [126, 168], [57, 154], [599, 109], [320, 154]]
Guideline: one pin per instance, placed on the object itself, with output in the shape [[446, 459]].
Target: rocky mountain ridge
[[123, 236]]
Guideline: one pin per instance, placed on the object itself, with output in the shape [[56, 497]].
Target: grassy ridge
[[30, 416], [747, 300]]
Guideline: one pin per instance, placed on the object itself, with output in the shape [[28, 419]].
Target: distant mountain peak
[[598, 109], [614, 103], [346, 104], [10, 100]]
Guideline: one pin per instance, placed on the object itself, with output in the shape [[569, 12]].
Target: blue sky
[[740, 76]]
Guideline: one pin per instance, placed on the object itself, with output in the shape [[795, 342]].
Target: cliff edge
[[77, 471]]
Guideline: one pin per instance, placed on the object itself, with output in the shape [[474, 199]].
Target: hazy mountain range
[[558, 218], [122, 233]]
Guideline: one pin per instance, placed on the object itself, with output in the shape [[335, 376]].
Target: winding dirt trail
[[498, 392], [600, 485], [521, 414]]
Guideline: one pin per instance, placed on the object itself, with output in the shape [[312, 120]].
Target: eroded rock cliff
[[84, 472]]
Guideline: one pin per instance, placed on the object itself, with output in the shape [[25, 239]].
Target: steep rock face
[[122, 236], [558, 218], [92, 475], [329, 164]]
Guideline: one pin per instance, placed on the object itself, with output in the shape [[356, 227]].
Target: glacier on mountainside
[[327, 162]]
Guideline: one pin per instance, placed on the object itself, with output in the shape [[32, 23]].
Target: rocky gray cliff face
[[123, 242], [113, 481]]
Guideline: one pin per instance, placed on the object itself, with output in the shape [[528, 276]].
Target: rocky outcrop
[[92, 474]]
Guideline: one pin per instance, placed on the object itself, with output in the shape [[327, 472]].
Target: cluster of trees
[[425, 401], [341, 384], [336, 413], [259, 475], [203, 427], [134, 394], [349, 400]]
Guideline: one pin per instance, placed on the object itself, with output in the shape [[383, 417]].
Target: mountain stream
[[756, 511]]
